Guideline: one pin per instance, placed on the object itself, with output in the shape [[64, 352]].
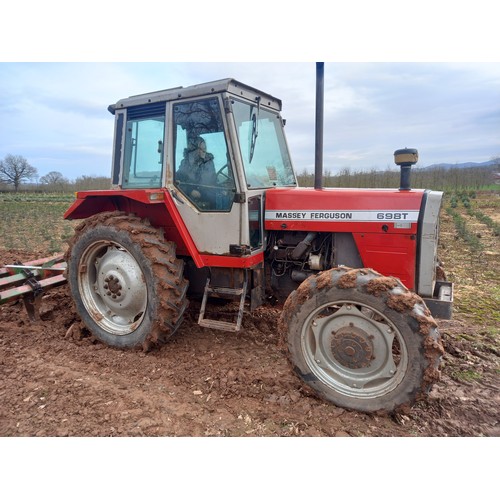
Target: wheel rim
[[112, 287], [354, 349]]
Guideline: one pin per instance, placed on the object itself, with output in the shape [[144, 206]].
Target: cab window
[[144, 139], [203, 171], [263, 146]]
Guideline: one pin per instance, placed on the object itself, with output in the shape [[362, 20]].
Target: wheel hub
[[113, 286], [352, 347]]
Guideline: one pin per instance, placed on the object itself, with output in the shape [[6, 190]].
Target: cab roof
[[229, 85]]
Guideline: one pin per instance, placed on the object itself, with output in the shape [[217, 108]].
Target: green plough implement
[[29, 280]]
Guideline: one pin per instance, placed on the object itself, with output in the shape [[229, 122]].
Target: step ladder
[[223, 291]]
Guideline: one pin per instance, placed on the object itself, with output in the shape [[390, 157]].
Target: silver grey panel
[[428, 244]]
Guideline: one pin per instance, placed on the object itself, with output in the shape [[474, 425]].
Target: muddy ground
[[209, 383], [206, 383]]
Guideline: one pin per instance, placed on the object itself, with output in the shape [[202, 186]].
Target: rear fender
[[156, 205]]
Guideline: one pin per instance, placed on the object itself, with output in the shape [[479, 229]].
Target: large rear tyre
[[126, 281], [361, 340]]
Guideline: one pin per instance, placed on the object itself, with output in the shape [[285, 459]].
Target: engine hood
[[336, 209]]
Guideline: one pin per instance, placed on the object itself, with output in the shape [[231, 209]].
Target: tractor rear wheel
[[361, 340], [126, 281]]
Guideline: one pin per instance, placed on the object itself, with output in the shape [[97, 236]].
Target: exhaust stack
[[318, 164], [405, 158]]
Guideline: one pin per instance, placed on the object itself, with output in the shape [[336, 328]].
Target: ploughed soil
[[57, 381]]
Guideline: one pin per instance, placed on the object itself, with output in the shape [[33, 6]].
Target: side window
[[255, 222], [143, 159], [202, 166]]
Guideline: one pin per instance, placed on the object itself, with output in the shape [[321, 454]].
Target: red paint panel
[[234, 262], [343, 199], [85, 207], [389, 254], [335, 227], [342, 210], [142, 195]]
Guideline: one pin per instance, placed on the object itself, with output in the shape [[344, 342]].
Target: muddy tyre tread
[[396, 301], [168, 285]]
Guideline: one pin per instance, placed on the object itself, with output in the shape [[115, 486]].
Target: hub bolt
[[349, 350]]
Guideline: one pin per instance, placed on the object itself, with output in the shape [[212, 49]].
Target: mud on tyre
[[126, 281], [361, 340]]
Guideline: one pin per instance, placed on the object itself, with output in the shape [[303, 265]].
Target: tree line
[[15, 171], [440, 178]]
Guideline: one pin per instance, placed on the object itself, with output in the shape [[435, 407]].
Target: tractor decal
[[351, 216]]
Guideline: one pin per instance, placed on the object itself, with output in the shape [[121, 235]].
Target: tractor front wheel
[[126, 281], [361, 340]]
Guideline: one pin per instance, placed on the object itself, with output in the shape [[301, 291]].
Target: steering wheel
[[225, 177]]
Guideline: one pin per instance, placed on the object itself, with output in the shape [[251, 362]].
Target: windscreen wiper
[[255, 130]]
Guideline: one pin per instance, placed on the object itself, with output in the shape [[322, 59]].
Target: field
[[34, 222], [55, 382]]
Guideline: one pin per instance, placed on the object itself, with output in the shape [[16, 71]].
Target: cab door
[[205, 189]]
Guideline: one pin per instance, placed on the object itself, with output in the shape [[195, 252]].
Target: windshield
[[263, 147]]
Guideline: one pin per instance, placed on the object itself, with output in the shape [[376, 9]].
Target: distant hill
[[489, 163]]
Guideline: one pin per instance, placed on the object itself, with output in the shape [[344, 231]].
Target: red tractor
[[205, 202]]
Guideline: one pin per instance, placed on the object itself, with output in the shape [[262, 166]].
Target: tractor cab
[[216, 147]]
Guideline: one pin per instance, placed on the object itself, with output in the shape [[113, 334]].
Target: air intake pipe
[[405, 158], [318, 163], [302, 248]]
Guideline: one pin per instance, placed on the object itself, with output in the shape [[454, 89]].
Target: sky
[[55, 114], [384, 90]]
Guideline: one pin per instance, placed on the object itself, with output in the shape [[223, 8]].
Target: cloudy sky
[[55, 114]]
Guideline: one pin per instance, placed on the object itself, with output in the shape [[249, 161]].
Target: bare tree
[[16, 169], [54, 180]]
